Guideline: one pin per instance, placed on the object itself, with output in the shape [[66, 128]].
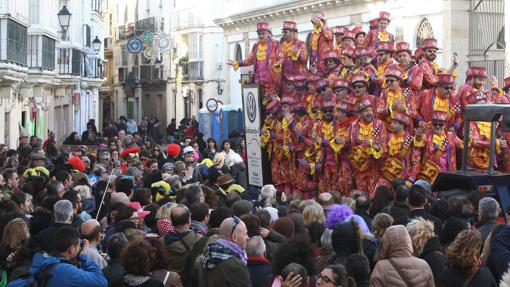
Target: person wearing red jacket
[[413, 75], [344, 115], [368, 145], [359, 86], [263, 56], [320, 42], [435, 151], [376, 36], [292, 53], [384, 60], [397, 161], [427, 64], [440, 98], [395, 99], [362, 59], [359, 37]]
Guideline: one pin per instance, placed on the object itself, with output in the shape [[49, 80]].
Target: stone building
[[48, 81]]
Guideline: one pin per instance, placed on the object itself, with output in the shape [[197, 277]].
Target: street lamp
[[63, 18], [96, 45]]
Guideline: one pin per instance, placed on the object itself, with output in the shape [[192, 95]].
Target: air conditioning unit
[[219, 66]]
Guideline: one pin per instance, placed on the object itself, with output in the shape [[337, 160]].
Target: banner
[[252, 125]]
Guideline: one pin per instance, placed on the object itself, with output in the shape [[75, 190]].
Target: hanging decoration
[[134, 45]]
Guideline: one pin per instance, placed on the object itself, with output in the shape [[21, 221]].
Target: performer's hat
[[289, 25], [429, 43], [263, 26], [386, 47], [383, 15], [403, 47]]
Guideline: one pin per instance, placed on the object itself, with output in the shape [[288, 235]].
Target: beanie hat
[[173, 150]]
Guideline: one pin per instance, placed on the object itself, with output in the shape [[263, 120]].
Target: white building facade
[[473, 29], [47, 82]]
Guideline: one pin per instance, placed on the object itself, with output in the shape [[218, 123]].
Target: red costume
[[375, 36], [413, 75], [388, 103], [429, 68], [437, 151], [320, 42], [292, 64], [430, 101], [365, 159], [263, 56]]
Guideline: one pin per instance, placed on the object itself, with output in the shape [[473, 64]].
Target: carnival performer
[[413, 75], [376, 36], [263, 56], [320, 42], [427, 63], [292, 53]]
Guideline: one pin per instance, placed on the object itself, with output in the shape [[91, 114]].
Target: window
[[196, 70], [238, 52], [34, 12], [195, 50], [33, 51], [76, 62], [48, 53], [424, 32], [200, 99], [16, 43], [86, 36], [96, 5]]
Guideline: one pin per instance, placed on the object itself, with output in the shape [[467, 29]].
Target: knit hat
[[344, 239], [235, 187], [173, 150]]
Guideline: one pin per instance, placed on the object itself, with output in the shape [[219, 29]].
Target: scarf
[[221, 251], [199, 228]]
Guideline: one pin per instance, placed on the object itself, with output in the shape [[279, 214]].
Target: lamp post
[[64, 17], [96, 45]]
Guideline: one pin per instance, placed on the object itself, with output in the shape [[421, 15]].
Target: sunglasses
[[236, 222], [450, 88], [438, 124], [390, 81], [330, 61], [328, 111], [358, 86], [340, 90]]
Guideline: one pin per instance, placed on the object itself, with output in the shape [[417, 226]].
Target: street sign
[[211, 105]]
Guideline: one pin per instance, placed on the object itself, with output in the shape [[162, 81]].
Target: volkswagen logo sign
[[251, 107]]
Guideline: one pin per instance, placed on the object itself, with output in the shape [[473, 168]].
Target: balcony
[[153, 24], [69, 62], [41, 52], [15, 37], [193, 71], [151, 73]]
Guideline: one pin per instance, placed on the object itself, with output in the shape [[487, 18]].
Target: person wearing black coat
[[433, 255]]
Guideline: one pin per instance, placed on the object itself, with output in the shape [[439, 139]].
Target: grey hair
[[133, 171], [256, 246], [63, 211], [326, 239], [488, 208]]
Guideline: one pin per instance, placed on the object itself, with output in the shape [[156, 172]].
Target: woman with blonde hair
[[163, 223], [462, 258], [313, 213], [426, 244]]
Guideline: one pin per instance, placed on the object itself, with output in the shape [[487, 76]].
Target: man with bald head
[[180, 242], [224, 262], [91, 230]]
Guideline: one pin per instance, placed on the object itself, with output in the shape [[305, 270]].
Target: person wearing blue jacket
[[68, 267]]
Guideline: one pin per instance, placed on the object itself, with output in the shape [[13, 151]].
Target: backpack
[[28, 279]]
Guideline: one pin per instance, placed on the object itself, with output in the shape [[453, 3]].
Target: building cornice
[[289, 9]]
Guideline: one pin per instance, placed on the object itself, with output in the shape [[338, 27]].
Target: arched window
[[238, 52], [501, 39], [424, 32]]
